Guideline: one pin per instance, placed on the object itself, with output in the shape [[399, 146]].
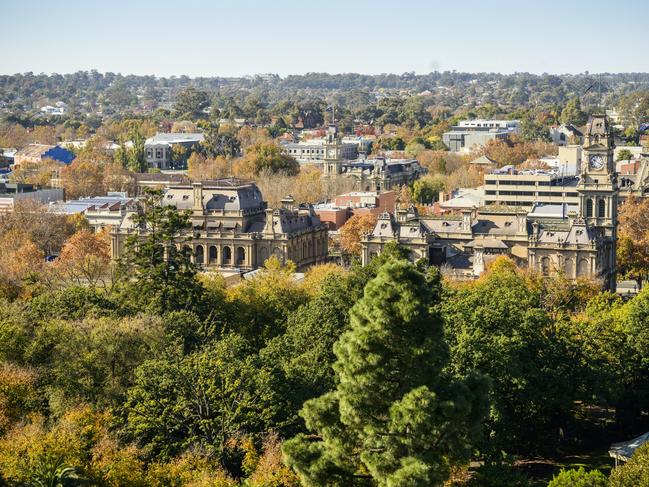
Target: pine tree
[[156, 271], [395, 418]]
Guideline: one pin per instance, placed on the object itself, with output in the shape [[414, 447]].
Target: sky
[[240, 37]]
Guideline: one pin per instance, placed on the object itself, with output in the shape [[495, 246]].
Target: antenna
[[599, 92]]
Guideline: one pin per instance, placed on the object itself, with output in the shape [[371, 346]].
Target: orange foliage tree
[[352, 232], [85, 259]]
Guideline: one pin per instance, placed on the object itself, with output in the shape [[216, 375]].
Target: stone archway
[[227, 255]]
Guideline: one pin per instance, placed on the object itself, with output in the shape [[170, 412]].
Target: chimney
[[467, 219], [521, 222], [288, 202], [198, 196]]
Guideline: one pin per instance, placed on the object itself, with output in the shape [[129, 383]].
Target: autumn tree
[[394, 417], [633, 242], [85, 259], [37, 173], [201, 168], [83, 178], [266, 156], [351, 233]]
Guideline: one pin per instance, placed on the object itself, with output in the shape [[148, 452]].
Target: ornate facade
[[377, 174], [576, 240], [232, 227]]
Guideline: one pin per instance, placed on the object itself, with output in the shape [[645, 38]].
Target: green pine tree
[[156, 272], [394, 418]]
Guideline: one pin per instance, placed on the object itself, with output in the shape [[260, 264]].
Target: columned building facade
[[576, 240], [232, 228]]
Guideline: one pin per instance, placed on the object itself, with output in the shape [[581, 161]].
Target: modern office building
[[469, 135], [511, 187]]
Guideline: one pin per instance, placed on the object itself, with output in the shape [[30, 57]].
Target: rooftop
[[176, 138]]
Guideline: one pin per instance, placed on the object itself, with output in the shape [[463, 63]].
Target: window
[[185, 197], [601, 208], [149, 153], [158, 153], [589, 207]]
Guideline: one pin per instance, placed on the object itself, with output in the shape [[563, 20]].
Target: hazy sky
[[228, 38]]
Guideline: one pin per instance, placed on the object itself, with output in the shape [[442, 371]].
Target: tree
[[572, 113], [156, 271], [202, 400], [499, 327], [579, 478], [190, 104], [394, 417], [83, 178], [426, 189], [267, 156], [351, 233], [217, 142], [633, 243], [624, 155], [85, 258], [131, 155], [634, 472]]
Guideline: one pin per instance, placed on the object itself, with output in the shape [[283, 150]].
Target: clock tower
[[332, 152], [598, 190], [598, 180]]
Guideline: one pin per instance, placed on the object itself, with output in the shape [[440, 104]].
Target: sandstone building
[[576, 237], [232, 227]]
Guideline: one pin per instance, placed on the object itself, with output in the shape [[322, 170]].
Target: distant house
[[35, 153], [158, 149], [484, 161], [565, 134]]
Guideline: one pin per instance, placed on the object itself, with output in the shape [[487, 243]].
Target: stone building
[[578, 239], [159, 148], [379, 174], [232, 227]]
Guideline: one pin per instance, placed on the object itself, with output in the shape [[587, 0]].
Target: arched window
[[199, 255], [569, 268], [582, 268], [545, 266], [214, 254], [589, 207], [601, 208], [227, 256], [241, 255], [263, 255]]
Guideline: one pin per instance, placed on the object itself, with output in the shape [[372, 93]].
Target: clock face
[[596, 161]]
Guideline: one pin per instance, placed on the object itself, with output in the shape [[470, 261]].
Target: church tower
[[597, 187], [332, 152]]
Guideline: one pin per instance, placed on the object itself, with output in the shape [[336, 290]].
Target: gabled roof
[[34, 150], [484, 161]]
